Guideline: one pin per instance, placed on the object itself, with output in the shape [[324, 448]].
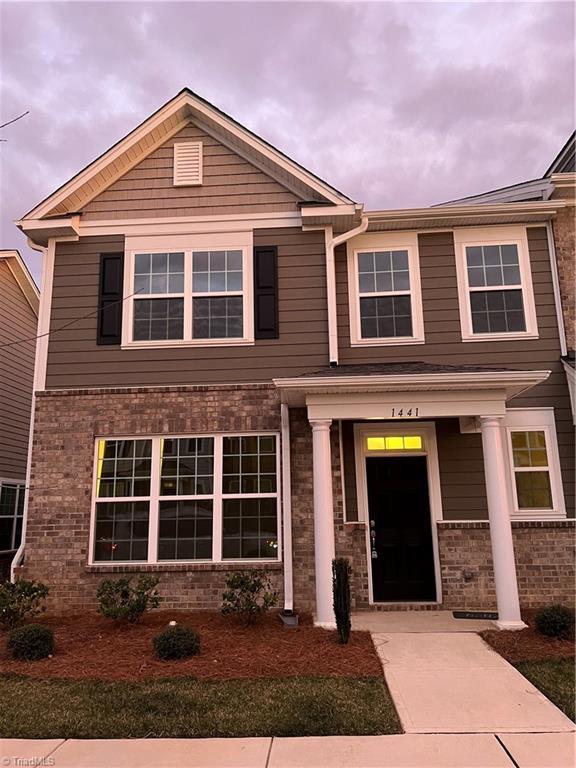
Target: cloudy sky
[[396, 104]]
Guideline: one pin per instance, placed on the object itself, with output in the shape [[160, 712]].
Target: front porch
[[389, 421]]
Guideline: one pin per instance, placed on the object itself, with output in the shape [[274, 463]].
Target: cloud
[[396, 104]]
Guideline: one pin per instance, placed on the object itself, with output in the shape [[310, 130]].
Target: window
[[395, 443], [536, 485], [208, 498], [11, 514], [496, 299], [384, 286], [188, 296]]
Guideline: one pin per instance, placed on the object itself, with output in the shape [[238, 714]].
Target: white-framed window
[[188, 292], [534, 464], [495, 284], [12, 494], [384, 290], [201, 498]]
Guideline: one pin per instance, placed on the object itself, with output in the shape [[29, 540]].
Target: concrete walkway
[[416, 621], [455, 683], [403, 751]]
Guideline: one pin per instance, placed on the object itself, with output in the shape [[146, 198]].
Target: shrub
[[176, 643], [341, 572], [122, 601], [555, 621], [248, 594], [20, 601], [31, 642]]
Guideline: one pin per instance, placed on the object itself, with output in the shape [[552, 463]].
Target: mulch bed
[[90, 646], [528, 644]]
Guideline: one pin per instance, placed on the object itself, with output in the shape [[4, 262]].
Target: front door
[[400, 529]]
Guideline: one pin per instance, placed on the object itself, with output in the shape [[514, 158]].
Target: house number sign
[[405, 413]]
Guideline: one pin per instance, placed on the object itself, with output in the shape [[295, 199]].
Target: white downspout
[[556, 286], [17, 559], [331, 243], [286, 510]]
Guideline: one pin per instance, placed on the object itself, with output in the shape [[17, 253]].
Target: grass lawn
[[183, 707], [555, 678]]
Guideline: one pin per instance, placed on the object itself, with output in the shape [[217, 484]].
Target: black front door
[[400, 529]]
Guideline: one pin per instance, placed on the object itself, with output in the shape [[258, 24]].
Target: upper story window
[[384, 290], [188, 296], [495, 287]]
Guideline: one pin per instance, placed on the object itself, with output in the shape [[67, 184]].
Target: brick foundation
[[62, 475]]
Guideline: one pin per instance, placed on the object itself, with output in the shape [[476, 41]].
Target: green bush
[[176, 643], [121, 601], [21, 601], [31, 642], [555, 621], [341, 572], [248, 595]]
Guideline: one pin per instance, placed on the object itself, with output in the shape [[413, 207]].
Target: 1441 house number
[[404, 413]]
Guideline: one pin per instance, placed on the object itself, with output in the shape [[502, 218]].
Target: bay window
[[186, 499]]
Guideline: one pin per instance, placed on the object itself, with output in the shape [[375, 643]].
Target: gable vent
[[187, 164]]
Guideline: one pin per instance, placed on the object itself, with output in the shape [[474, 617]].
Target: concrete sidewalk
[[401, 751], [455, 683]]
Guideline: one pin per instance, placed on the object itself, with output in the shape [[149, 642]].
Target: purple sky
[[396, 104]]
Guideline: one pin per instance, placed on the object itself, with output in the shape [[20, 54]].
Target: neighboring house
[[264, 374], [557, 183], [18, 321]]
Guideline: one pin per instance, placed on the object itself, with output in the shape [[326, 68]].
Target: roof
[[164, 123], [394, 369], [564, 162], [23, 277]]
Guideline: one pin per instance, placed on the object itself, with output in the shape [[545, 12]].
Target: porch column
[[323, 521], [497, 495]]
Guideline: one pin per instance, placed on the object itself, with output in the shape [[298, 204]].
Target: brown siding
[[231, 185], [74, 359], [443, 339], [17, 321]]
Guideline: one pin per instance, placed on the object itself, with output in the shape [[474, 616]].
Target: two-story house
[[18, 321], [246, 369]]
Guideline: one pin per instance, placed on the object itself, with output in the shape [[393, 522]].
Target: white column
[[497, 495], [323, 521]]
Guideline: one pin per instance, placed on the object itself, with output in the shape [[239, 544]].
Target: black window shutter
[[110, 298], [266, 292]]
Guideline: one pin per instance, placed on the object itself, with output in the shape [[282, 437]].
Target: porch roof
[[428, 389]]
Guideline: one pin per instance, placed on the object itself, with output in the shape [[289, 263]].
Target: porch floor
[[391, 622]]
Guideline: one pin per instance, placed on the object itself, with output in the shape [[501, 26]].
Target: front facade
[[18, 321], [256, 373]]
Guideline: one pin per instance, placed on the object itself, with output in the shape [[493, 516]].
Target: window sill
[[228, 565], [500, 336], [182, 344], [388, 342]]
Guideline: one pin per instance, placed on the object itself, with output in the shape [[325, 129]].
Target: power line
[[67, 325]]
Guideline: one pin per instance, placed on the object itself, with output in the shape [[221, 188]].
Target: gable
[[230, 185]]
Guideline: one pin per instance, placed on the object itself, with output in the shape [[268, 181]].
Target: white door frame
[[427, 430]]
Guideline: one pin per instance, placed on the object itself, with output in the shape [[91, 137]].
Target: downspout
[[556, 286], [331, 243], [286, 510], [17, 559]]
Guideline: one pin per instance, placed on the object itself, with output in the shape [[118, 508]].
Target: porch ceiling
[[400, 390]]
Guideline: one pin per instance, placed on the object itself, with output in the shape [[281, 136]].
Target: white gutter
[[331, 243], [286, 510], [556, 286], [17, 559]]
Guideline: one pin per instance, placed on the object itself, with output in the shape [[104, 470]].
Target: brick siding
[[565, 241], [67, 424]]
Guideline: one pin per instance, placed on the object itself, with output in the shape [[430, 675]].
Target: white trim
[[19, 270], [44, 316], [476, 236], [556, 287], [535, 420], [571, 382], [286, 528], [428, 432], [405, 241], [217, 498], [324, 539], [189, 245]]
